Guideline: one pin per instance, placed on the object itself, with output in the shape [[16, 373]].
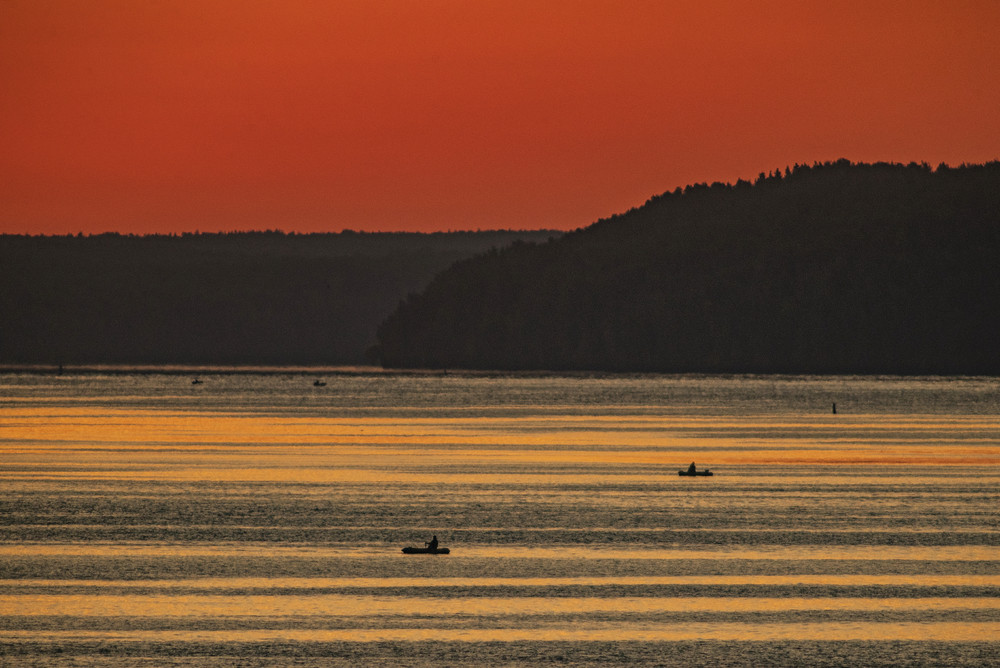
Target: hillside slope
[[833, 268]]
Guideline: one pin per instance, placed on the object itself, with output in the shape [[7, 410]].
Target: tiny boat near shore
[[426, 550], [695, 473]]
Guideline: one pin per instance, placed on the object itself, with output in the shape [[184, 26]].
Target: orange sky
[[320, 115]]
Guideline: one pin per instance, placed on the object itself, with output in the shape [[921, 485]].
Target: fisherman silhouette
[[691, 469], [433, 544]]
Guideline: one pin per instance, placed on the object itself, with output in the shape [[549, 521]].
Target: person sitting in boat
[[692, 469], [433, 544]]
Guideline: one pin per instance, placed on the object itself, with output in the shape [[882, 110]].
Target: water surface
[[256, 518]]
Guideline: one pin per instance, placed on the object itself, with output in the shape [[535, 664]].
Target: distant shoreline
[[187, 369], [327, 370]]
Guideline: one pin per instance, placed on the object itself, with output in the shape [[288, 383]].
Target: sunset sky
[[319, 115]]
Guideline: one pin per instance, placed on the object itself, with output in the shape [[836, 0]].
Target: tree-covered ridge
[[232, 298], [830, 268]]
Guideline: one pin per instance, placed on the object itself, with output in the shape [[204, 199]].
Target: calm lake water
[[257, 519]]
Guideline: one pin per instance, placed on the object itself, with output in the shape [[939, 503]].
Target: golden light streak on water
[[609, 632], [923, 580], [339, 605]]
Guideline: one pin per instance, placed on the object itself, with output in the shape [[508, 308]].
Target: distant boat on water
[[319, 383], [426, 550], [196, 381], [431, 548], [693, 471]]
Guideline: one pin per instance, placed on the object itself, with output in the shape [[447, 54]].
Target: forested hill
[[240, 298], [831, 268]]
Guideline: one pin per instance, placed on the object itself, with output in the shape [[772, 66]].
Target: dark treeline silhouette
[[830, 268], [228, 298]]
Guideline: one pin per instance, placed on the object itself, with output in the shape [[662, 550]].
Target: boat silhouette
[[426, 550], [693, 471]]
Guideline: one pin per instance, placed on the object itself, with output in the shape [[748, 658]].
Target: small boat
[[693, 471], [319, 383], [196, 381], [426, 550]]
